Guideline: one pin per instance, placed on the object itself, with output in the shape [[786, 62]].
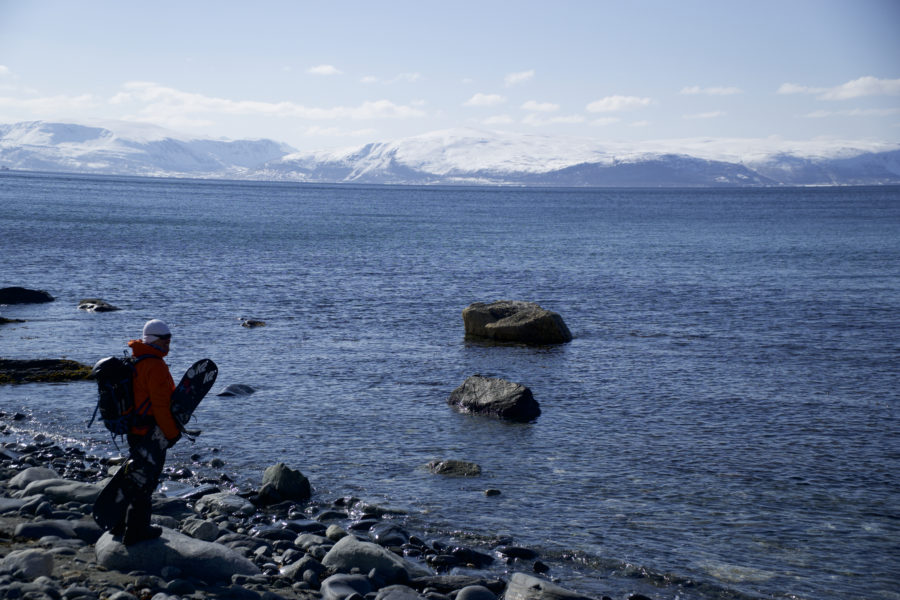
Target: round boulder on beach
[[515, 321]]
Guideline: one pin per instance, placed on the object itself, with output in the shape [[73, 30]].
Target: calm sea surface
[[723, 425]]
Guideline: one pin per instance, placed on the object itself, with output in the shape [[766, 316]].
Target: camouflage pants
[[148, 455]]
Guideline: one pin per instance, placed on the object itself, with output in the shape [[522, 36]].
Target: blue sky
[[320, 75]]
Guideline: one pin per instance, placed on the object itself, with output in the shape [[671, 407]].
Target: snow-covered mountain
[[129, 149], [454, 157]]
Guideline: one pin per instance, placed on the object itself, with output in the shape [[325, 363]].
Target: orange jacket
[[153, 385]]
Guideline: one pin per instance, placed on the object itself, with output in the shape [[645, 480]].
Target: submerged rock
[[495, 397], [96, 305], [454, 468], [20, 295], [51, 370], [236, 389], [515, 321]]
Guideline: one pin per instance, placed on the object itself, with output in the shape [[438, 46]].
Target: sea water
[[724, 423]]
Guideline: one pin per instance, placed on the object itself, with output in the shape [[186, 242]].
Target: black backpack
[[115, 393]]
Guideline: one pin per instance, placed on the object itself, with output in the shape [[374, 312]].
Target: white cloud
[[498, 120], [536, 121], [4, 71], [317, 131], [856, 112], [167, 105], [857, 88], [711, 91], [401, 78], [603, 122], [480, 99], [323, 70], [52, 105], [706, 115], [864, 86], [540, 106], [517, 78], [617, 103]]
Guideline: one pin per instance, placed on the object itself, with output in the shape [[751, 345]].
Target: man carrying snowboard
[[154, 431]]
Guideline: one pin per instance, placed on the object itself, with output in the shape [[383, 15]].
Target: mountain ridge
[[449, 157]]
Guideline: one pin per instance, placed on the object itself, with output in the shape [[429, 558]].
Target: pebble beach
[[229, 544]]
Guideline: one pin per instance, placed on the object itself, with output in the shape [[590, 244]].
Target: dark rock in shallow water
[[49, 370], [454, 468], [20, 295], [280, 482], [96, 305], [236, 389], [388, 534], [515, 321], [495, 397]]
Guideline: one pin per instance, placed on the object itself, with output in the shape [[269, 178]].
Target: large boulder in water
[[495, 397], [20, 295], [281, 482], [515, 321]]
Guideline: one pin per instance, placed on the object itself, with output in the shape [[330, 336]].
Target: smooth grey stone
[[32, 562], [340, 586], [475, 592], [527, 587], [32, 474], [211, 561], [350, 552]]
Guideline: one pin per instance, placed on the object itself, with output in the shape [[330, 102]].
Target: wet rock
[[454, 468], [349, 553], [252, 323], [517, 552], [515, 321], [286, 484], [495, 397], [48, 370], [20, 295], [527, 587], [236, 389], [388, 534], [96, 305]]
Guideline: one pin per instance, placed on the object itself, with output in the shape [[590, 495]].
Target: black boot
[[137, 523]]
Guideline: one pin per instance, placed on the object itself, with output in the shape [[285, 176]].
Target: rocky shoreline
[[222, 544]]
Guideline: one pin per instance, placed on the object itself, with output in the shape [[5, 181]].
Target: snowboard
[[112, 503]]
